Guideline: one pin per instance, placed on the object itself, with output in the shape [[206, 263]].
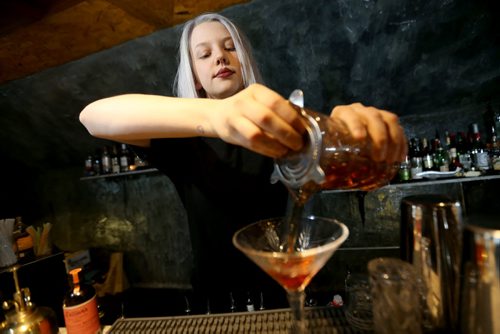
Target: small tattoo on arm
[[200, 130]]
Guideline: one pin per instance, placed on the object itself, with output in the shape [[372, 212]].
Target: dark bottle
[[454, 161], [416, 160], [428, 163], [89, 168], [106, 161], [232, 305], [115, 161], [250, 306], [96, 164], [81, 314], [463, 151], [124, 158], [441, 158]]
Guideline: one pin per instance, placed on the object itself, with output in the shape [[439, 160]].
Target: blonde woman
[[215, 141]]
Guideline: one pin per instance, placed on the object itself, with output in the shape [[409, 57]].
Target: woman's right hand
[[259, 119]]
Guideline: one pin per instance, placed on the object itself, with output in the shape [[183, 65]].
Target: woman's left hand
[[387, 135]]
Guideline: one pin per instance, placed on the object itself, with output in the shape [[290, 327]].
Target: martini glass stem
[[296, 300]]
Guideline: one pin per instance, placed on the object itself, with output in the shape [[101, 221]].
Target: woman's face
[[216, 66]]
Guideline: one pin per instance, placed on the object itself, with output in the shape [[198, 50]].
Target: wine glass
[[293, 268]]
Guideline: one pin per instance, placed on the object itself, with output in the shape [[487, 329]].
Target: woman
[[215, 141]]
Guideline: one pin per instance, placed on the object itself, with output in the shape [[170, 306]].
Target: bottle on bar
[[441, 158], [124, 158], [232, 305], [416, 161], [404, 170], [81, 314], [463, 151], [427, 155], [106, 161], [479, 154], [250, 305], [115, 161]]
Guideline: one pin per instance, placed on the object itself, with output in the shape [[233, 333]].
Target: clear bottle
[[106, 161], [479, 154], [81, 314]]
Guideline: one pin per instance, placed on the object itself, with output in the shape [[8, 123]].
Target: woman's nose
[[221, 58]]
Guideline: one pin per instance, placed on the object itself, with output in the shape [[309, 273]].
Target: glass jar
[[330, 159]]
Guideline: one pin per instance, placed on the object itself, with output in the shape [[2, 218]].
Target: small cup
[[395, 297]]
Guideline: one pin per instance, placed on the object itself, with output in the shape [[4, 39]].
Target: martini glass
[[293, 268]]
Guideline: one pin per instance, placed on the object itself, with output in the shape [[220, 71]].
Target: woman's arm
[[256, 118]]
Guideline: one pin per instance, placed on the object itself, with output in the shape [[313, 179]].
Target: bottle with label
[[479, 154], [106, 161], [463, 151], [81, 314], [441, 158], [404, 174], [416, 161], [428, 163], [124, 159], [115, 161]]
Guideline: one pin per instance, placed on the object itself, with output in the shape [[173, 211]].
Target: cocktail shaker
[[330, 158], [431, 232], [480, 276]]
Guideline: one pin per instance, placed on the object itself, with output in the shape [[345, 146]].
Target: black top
[[223, 188]]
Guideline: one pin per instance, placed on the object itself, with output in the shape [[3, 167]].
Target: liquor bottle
[[427, 155], [232, 306], [441, 158], [479, 154], [404, 170], [454, 161], [81, 314], [124, 158], [463, 151], [416, 161], [88, 169], [115, 161], [106, 161], [96, 164], [261, 304], [250, 306]]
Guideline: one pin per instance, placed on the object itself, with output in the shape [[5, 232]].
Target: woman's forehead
[[209, 31]]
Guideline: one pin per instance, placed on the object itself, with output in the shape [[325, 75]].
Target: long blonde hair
[[184, 83]]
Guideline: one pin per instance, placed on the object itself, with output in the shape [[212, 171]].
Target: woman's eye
[[204, 55], [230, 48]]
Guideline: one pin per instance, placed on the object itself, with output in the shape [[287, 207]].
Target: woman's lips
[[224, 73]]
